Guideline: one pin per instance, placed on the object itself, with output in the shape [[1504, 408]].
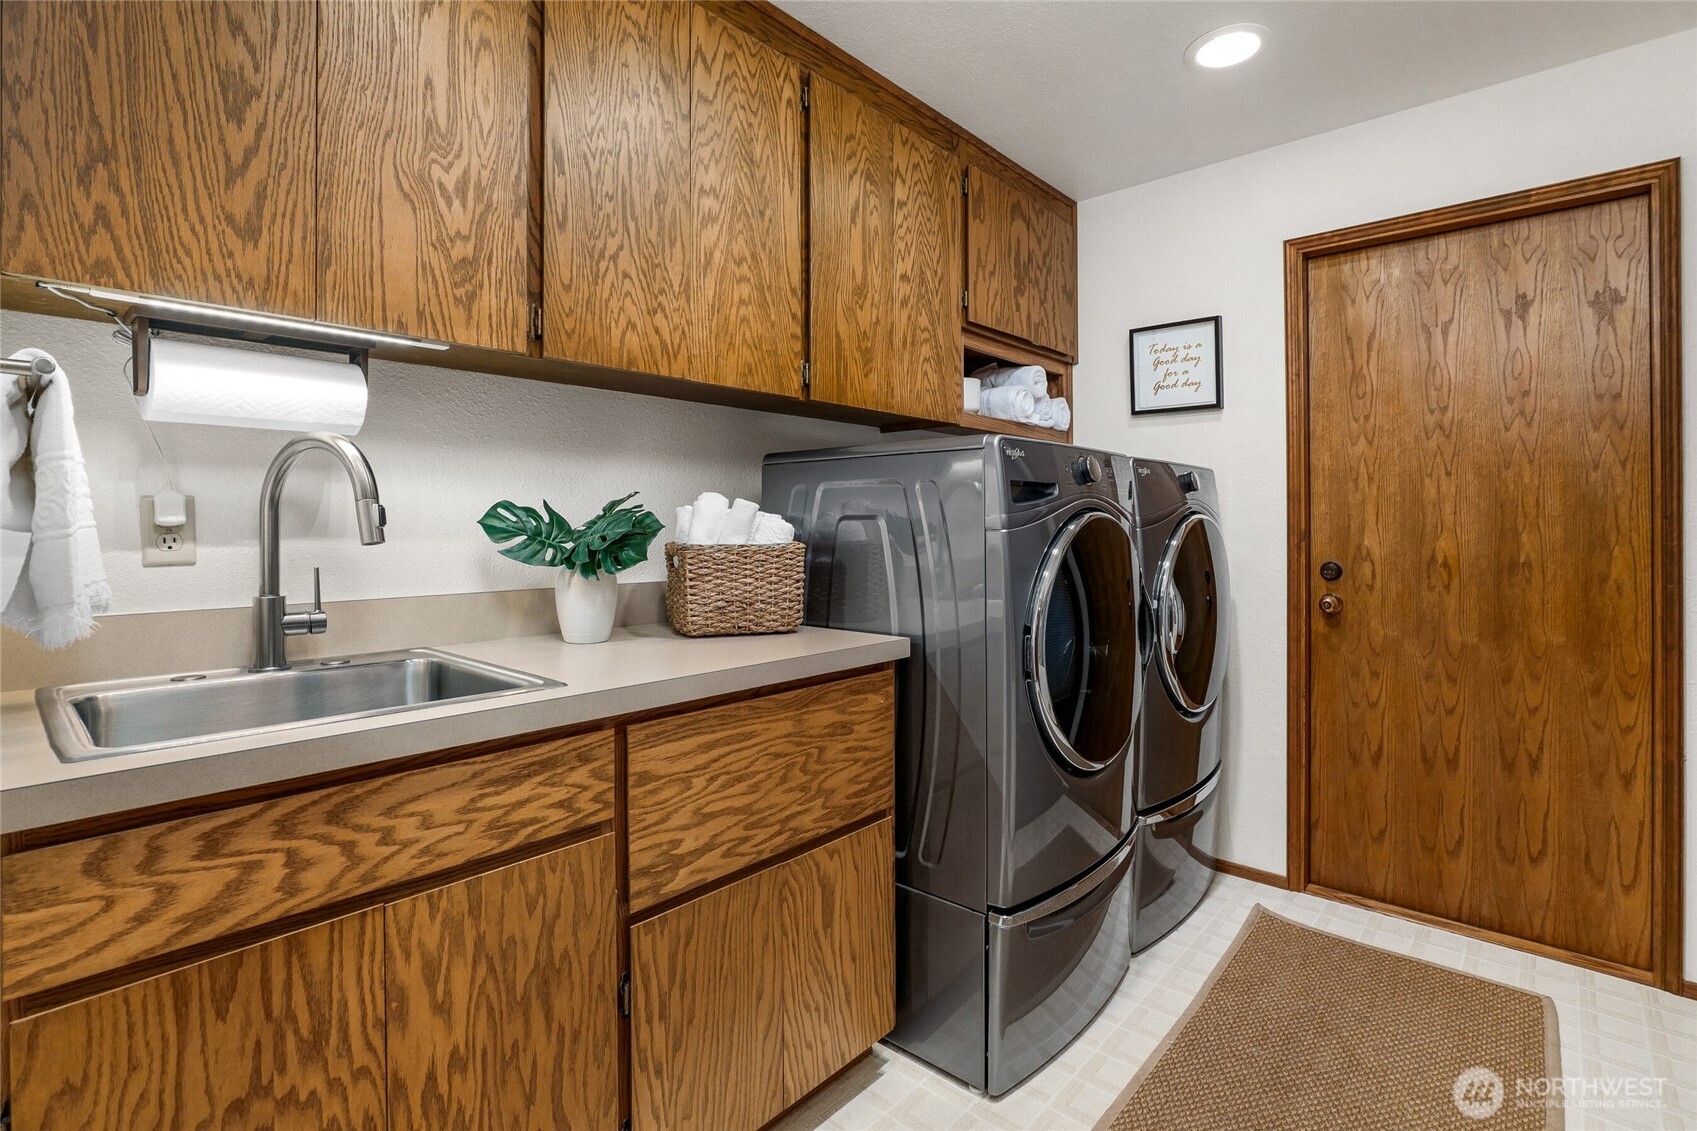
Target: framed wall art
[[1175, 367]]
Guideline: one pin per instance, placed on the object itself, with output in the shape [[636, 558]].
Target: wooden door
[[427, 179], [163, 147], [1482, 429], [288, 1033], [746, 210], [618, 198], [884, 254], [707, 1012], [837, 944], [1021, 263], [503, 997]]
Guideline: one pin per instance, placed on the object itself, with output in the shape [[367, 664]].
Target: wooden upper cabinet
[[164, 147], [616, 184], [503, 996], [427, 179], [884, 261], [746, 210], [288, 1033], [1022, 263]]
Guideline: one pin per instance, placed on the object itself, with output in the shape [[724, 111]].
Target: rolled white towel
[[1063, 414], [680, 529], [1030, 377], [710, 511], [739, 524], [1008, 402], [1043, 413], [770, 530]]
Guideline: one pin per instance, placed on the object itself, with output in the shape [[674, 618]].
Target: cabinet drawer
[[89, 906], [714, 791]]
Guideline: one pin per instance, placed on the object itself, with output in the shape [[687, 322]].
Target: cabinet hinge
[[624, 995], [806, 375], [536, 322], [965, 180], [963, 304], [806, 94]]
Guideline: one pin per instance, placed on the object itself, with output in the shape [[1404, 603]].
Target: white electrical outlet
[[167, 545]]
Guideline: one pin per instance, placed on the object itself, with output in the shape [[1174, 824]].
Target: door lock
[[1331, 571], [1331, 604]]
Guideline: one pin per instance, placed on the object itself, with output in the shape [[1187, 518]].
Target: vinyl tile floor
[[1611, 1029]]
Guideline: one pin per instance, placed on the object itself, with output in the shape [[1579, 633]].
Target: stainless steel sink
[[103, 720]]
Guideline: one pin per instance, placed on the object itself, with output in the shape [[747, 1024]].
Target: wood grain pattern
[[711, 792], [425, 180], [707, 1011], [746, 185], [1022, 264], [162, 147], [884, 261], [285, 1034], [1482, 709], [79, 909], [619, 207], [503, 997], [839, 962]]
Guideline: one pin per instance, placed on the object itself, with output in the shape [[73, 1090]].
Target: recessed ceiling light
[[1225, 47]]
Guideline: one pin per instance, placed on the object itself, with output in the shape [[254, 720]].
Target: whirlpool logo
[[1014, 453]]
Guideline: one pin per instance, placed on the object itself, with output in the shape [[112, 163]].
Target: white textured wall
[[444, 445], [1210, 242]]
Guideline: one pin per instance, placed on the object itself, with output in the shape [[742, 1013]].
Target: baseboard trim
[[1245, 872], [1689, 991]]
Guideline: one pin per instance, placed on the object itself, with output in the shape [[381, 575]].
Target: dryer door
[[1190, 610], [1081, 642]]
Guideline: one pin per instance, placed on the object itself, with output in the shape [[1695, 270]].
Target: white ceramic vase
[[585, 605]]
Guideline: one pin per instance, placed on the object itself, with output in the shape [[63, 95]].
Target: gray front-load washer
[[1013, 568]]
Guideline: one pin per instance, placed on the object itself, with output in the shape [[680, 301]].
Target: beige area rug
[[1299, 1029]]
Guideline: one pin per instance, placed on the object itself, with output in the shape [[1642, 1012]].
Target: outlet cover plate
[[166, 545]]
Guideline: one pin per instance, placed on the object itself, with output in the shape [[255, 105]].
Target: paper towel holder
[[143, 329]]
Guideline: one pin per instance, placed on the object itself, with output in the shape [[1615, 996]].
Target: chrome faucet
[[273, 620]]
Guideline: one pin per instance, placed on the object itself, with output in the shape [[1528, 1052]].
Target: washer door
[[1081, 642], [1190, 596]]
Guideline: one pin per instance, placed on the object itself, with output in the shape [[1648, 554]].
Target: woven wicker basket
[[735, 590]]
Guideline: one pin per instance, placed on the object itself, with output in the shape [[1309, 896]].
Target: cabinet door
[[503, 997], [616, 184], [286, 1034], [162, 147], [746, 210], [1022, 264], [746, 999], [427, 180], [884, 261], [706, 1012], [838, 947]]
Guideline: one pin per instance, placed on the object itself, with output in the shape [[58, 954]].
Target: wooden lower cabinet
[[748, 997], [286, 1034], [503, 997]]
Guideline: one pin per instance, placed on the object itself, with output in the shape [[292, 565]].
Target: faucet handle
[[314, 620]]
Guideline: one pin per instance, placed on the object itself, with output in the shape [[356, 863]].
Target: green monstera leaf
[[612, 541]]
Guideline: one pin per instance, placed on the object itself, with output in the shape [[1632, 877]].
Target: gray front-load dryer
[[1014, 571]]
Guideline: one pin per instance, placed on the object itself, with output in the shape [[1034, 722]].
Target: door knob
[[1331, 604]]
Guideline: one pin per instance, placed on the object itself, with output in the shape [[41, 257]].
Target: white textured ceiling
[[1095, 96]]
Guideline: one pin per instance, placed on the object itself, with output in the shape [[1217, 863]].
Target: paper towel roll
[[192, 383]]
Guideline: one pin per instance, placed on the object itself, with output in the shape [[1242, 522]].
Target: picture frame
[[1176, 367]]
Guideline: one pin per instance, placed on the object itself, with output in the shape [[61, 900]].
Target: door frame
[[1659, 182]]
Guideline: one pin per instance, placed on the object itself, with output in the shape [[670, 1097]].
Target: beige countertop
[[641, 668]]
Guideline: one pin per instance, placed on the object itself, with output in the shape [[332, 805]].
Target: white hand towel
[[1030, 377], [1007, 402], [770, 530], [707, 520], [680, 529], [1063, 414], [62, 583], [739, 523], [1043, 413]]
